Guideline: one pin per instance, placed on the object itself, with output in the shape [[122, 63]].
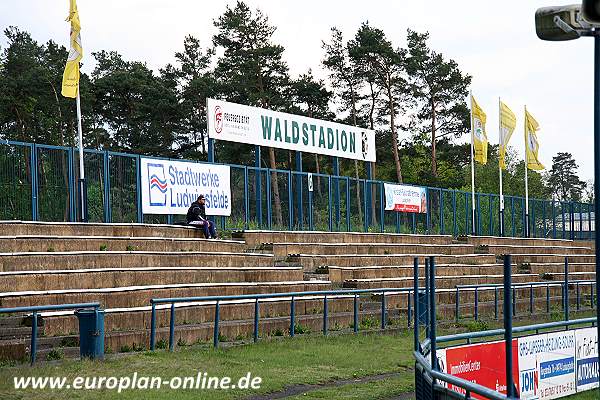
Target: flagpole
[[526, 180], [472, 169], [83, 212], [500, 168]]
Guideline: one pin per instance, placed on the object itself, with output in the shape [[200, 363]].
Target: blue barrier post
[[106, 181], [258, 190], [508, 326], [34, 333], [246, 200], [138, 188], [383, 310], [153, 327], [454, 225], [72, 185], [530, 299], [348, 205], [416, 301], [409, 310], [310, 211], [256, 317], [330, 213], [292, 316], [216, 330], [442, 224], [172, 328], [382, 207], [427, 294], [566, 290], [299, 189], [325, 315], [553, 220], [547, 298], [368, 195], [269, 200], [496, 303], [476, 304], [578, 296], [336, 171], [432, 316], [211, 150], [355, 313], [290, 201], [33, 170]]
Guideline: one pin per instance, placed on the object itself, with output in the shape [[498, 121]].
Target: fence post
[[416, 301], [269, 200], [382, 206], [299, 189], [355, 313], [258, 189], [107, 210], [72, 186], [566, 290], [290, 201], [34, 177], [508, 326], [442, 224], [138, 188], [216, 330], [325, 315], [348, 205], [454, 226], [246, 200], [34, 329], [427, 332], [432, 316], [336, 172], [330, 212], [153, 327], [383, 309], [256, 317], [172, 328], [292, 316]]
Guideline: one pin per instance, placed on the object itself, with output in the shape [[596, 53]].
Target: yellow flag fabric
[[70, 83], [508, 123], [532, 145], [478, 134]]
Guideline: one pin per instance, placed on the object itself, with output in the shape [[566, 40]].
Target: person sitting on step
[[196, 216]]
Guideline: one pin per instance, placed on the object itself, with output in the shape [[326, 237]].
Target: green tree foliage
[[563, 180]]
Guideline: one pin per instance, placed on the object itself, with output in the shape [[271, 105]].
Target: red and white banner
[[405, 198]]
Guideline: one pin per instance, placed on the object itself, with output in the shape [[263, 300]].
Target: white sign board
[[405, 198], [252, 125], [169, 187], [587, 358], [547, 365]]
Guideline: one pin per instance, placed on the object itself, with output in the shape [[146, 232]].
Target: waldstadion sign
[[253, 125]]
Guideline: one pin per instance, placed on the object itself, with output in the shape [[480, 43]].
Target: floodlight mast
[[575, 26]]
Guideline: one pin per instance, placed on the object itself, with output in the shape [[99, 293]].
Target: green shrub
[[55, 354]]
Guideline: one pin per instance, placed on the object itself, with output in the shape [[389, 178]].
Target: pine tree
[[563, 179]]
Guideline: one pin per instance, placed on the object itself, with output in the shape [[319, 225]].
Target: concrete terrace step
[[47, 243], [284, 249], [116, 277], [31, 261], [518, 241], [311, 262], [97, 229], [257, 237], [442, 282], [540, 268], [535, 258], [531, 249], [134, 296], [339, 274]]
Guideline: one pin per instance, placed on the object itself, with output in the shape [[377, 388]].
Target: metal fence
[[38, 182]]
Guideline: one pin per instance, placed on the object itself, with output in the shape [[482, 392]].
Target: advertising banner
[[586, 355], [547, 365], [169, 187], [482, 363], [405, 198], [252, 125]]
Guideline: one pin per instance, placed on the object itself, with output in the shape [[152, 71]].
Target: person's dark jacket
[[196, 212]]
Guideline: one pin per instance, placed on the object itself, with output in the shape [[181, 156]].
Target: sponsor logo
[[529, 381], [587, 371], [365, 146], [157, 184], [218, 119]]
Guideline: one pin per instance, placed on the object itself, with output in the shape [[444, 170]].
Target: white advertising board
[[252, 125], [405, 198], [547, 365], [586, 355], [169, 187]]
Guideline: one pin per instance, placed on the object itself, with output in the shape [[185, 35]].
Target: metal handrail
[[285, 296], [36, 309]]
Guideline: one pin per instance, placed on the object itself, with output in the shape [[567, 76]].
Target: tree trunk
[[373, 169], [393, 130], [433, 153], [275, 186]]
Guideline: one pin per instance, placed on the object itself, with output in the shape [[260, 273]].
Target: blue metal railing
[[286, 296], [34, 322], [45, 179]]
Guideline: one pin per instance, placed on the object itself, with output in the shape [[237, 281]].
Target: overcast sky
[[495, 42]]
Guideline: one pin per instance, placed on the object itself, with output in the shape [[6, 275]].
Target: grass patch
[[280, 363]]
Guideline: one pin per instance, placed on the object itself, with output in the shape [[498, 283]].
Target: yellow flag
[[531, 143], [508, 123], [478, 134], [70, 83]]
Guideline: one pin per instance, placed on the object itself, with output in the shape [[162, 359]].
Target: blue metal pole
[[566, 290], [216, 330], [258, 189], [329, 199], [336, 172], [153, 327], [72, 187], [383, 310], [355, 313], [442, 227], [34, 175], [211, 150], [508, 326], [172, 328], [427, 289], [310, 211], [246, 200], [382, 207], [368, 195], [34, 333], [299, 189], [416, 301], [269, 200], [432, 316], [325, 315], [138, 188], [366, 207], [292, 316], [256, 317], [290, 201], [106, 166], [428, 211], [348, 205], [455, 227]]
